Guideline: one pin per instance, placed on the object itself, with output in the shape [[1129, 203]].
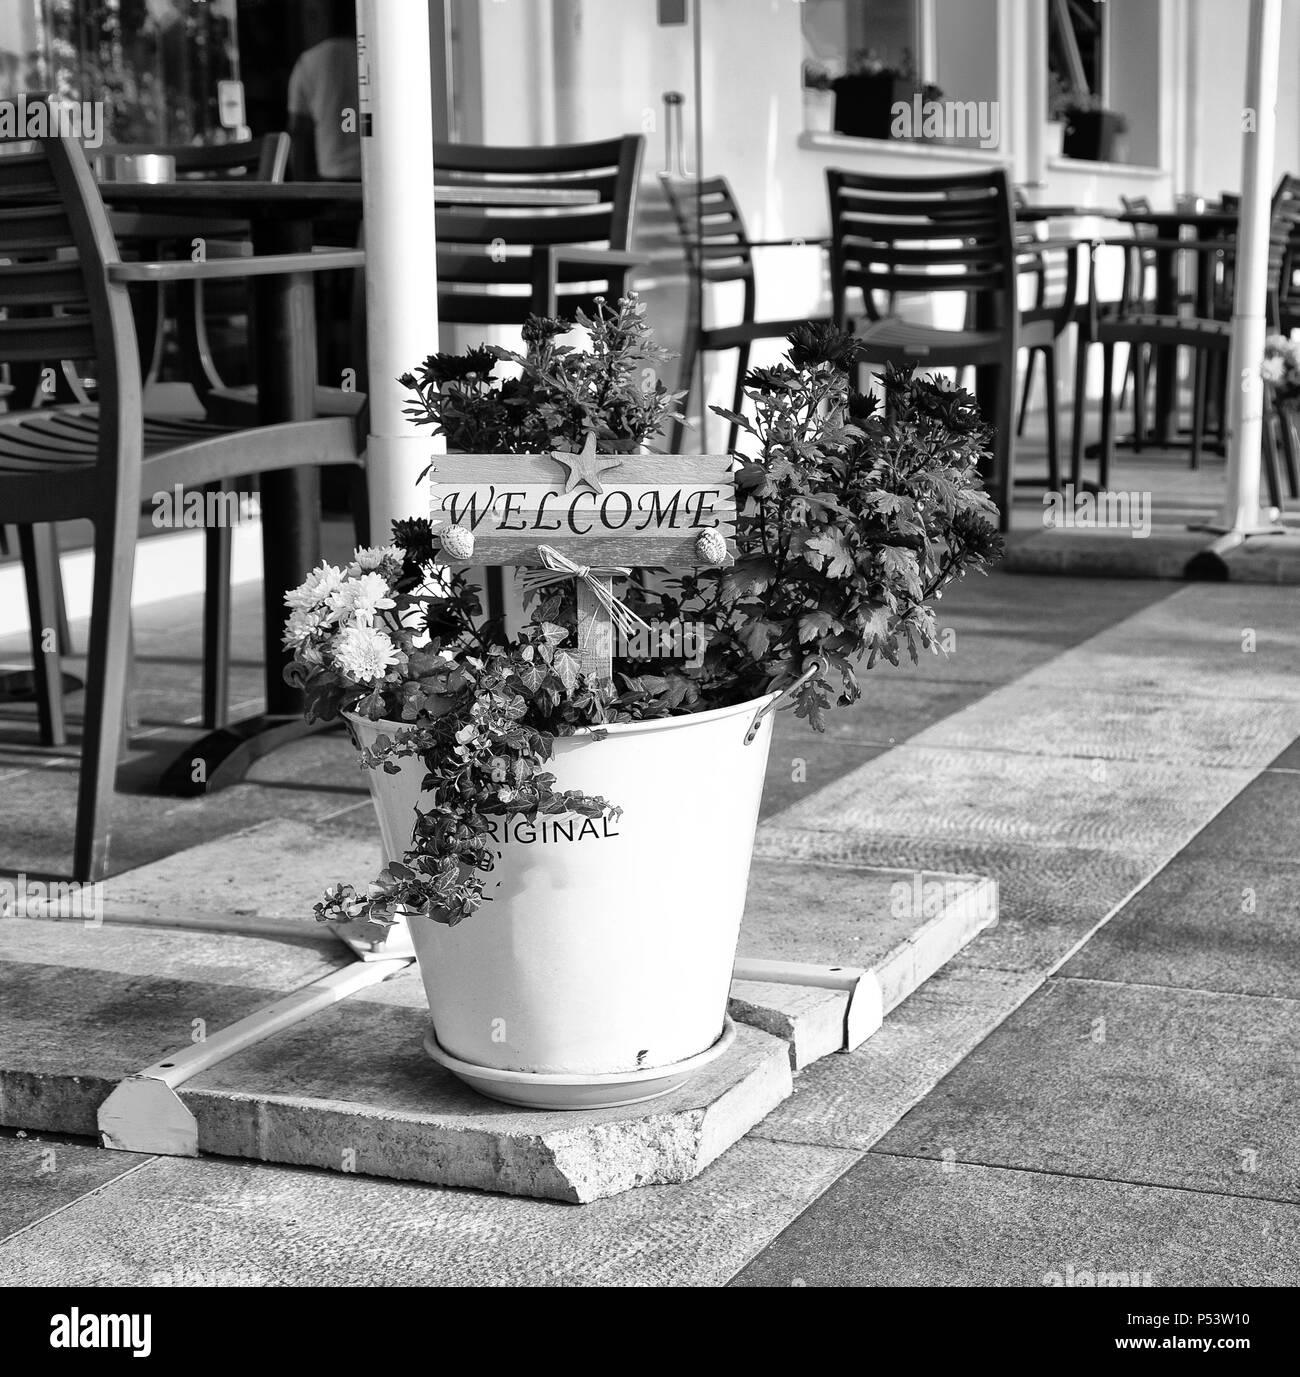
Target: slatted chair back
[[1283, 246], [713, 231], [263, 160], [489, 269], [56, 243], [922, 234]]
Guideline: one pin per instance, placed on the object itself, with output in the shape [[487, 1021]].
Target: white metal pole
[[401, 268], [1240, 513]]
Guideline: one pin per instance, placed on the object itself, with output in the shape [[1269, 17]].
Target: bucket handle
[[817, 669]]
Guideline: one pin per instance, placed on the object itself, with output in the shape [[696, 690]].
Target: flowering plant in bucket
[[1281, 368], [851, 519]]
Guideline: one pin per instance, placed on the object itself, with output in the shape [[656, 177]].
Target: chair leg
[[359, 502], [1290, 450], [216, 622], [1107, 417], [1138, 363], [1053, 438], [686, 384], [40, 565], [1004, 446], [1271, 458], [1198, 406], [1080, 404], [738, 398], [1024, 391], [106, 670]]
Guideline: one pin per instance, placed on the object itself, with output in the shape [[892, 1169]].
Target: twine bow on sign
[[559, 567]]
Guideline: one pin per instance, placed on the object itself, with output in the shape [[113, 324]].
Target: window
[[1100, 61], [905, 69]]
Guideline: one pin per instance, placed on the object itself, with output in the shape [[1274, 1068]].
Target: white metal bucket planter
[[599, 971]]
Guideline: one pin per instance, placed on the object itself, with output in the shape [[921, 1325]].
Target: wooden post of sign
[[595, 631], [601, 513]]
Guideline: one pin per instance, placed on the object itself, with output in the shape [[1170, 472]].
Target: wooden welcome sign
[[587, 516]]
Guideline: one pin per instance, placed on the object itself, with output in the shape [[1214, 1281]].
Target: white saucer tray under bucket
[[606, 948]]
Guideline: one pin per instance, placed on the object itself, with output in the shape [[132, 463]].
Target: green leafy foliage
[[852, 518], [562, 393]]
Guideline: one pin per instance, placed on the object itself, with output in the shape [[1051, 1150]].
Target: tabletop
[[237, 198], [1198, 219]]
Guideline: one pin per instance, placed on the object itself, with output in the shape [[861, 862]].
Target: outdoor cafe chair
[[1053, 265], [719, 250], [96, 461], [892, 236], [500, 262], [1207, 331]]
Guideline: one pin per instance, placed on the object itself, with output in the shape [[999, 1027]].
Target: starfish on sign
[[587, 466]]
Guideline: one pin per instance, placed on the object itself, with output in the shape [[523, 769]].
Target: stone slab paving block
[[1138, 809], [898, 926], [1181, 1088], [898, 1221], [1262, 825], [849, 1101], [1114, 724], [306, 1097], [85, 1007], [43, 1176], [276, 869], [1195, 643], [1105, 553], [1225, 923], [244, 1224], [808, 1019]]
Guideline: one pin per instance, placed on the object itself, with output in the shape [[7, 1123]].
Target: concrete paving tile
[[1198, 640], [1103, 725], [799, 765], [897, 1221], [323, 760], [44, 1175], [1263, 824], [306, 1097], [1225, 924], [838, 915], [276, 869], [1153, 1086], [85, 1007], [38, 813], [851, 1099], [254, 1225], [895, 705], [1289, 759], [1048, 897], [206, 958], [69, 1036], [919, 792]]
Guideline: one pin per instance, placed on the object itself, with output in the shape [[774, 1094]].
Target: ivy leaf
[[567, 669]]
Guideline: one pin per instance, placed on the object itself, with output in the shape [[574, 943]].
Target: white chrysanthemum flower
[[1273, 369], [317, 588], [304, 624], [372, 556], [360, 599], [364, 653]]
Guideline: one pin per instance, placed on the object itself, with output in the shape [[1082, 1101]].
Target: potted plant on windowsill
[[575, 853], [1092, 132], [866, 94]]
